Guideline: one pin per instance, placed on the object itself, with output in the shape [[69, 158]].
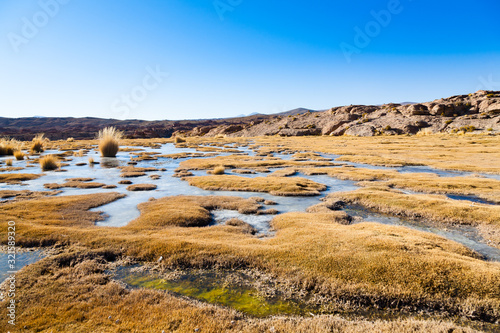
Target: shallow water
[[227, 288], [122, 211], [21, 260]]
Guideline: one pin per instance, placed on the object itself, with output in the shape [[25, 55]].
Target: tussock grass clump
[[49, 162], [19, 155], [70, 139], [179, 139], [8, 146], [8, 162], [274, 185], [109, 141], [220, 170], [38, 142]]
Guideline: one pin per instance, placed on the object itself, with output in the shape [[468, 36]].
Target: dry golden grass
[[476, 153], [49, 162], [272, 185], [72, 293], [188, 211], [15, 178], [434, 207], [8, 146], [74, 184], [485, 188], [19, 155], [179, 139], [246, 162], [8, 162], [25, 194], [286, 172], [109, 141], [220, 170], [141, 187], [350, 266], [38, 142]]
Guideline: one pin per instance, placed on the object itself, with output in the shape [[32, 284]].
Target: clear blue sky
[[231, 57]]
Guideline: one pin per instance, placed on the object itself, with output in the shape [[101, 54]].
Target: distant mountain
[[294, 112]]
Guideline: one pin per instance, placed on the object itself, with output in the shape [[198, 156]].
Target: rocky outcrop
[[474, 112]]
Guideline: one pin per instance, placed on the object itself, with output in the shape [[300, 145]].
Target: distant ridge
[[479, 111]]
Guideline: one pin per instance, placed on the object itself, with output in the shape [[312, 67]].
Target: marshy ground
[[268, 234]]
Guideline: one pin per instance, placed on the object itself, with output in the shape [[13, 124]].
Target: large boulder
[[418, 110], [360, 130]]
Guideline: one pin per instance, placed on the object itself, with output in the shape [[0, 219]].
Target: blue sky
[[186, 59]]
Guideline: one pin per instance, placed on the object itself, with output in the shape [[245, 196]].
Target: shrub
[[8, 162], [448, 122], [38, 143], [490, 129], [70, 139], [219, 170], [179, 139], [387, 128], [49, 162], [109, 144], [19, 155]]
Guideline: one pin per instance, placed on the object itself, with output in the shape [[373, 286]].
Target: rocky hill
[[479, 111], [474, 112]]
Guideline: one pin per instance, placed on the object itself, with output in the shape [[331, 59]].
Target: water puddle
[[21, 259], [234, 289]]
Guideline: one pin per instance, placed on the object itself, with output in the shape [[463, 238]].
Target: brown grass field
[[366, 277]]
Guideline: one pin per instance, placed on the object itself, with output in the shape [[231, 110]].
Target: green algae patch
[[221, 288]]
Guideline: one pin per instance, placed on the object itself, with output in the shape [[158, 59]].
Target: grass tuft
[[109, 144], [49, 162], [219, 170], [179, 139], [19, 155], [37, 145]]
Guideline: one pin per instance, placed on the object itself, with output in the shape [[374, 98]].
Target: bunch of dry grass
[[19, 155], [179, 139], [109, 141], [70, 139], [8, 146], [37, 145], [49, 162], [218, 170], [8, 162]]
